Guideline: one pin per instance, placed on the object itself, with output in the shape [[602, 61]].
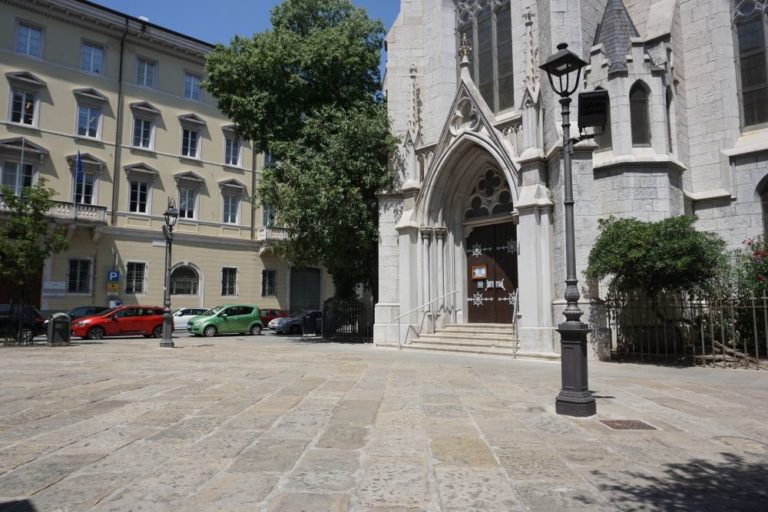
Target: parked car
[[293, 325], [267, 315], [122, 320], [227, 319], [81, 311], [32, 321], [181, 317]]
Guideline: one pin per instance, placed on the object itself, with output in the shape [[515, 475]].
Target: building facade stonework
[[126, 95], [480, 158]]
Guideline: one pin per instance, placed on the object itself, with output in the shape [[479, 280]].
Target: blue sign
[[113, 276]]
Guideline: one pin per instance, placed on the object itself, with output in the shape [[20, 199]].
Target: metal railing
[[348, 320], [722, 333], [428, 310]]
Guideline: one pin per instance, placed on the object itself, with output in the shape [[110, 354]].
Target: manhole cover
[[627, 425]]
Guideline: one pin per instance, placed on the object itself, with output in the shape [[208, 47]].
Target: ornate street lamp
[[575, 398], [171, 216]]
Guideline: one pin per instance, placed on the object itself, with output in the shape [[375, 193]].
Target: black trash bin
[[58, 330]]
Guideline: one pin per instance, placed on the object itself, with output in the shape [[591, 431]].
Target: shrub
[[652, 258]]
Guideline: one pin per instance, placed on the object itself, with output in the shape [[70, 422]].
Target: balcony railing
[[73, 211], [268, 234]]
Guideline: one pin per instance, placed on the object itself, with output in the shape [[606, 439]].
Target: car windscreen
[[213, 311]]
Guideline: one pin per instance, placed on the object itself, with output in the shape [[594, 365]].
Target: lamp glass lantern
[[562, 65], [171, 213]]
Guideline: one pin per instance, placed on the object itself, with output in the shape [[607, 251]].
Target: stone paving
[[278, 424]]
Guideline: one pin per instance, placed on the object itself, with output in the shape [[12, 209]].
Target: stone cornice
[[92, 17]]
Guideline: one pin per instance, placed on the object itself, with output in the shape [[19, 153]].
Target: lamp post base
[[167, 341], [574, 399], [580, 406]]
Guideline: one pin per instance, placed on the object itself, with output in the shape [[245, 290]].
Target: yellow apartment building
[[125, 94]]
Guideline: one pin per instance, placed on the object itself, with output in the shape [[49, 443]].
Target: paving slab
[[272, 424]]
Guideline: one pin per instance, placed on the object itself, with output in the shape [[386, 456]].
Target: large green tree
[[27, 237], [308, 91]]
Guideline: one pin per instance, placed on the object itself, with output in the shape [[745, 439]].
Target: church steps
[[441, 347], [492, 339]]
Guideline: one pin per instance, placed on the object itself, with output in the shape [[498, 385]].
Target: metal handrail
[[414, 310]]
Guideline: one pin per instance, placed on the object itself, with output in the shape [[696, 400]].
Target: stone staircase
[[491, 339]]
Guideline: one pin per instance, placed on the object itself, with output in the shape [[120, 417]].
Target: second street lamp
[[171, 216], [574, 398]]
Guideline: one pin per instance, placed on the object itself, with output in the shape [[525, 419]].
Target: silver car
[[181, 317]]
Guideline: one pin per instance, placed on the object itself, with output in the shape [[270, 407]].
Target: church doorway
[[492, 273]]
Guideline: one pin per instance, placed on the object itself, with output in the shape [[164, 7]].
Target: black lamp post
[[171, 216], [575, 398]]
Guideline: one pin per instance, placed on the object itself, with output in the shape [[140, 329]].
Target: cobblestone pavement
[[277, 424]]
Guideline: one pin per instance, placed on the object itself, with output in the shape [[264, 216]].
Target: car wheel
[[210, 331], [157, 332], [256, 330], [295, 329], [96, 333]]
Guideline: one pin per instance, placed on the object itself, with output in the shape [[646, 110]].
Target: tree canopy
[[317, 53], [308, 91], [654, 257], [26, 237]]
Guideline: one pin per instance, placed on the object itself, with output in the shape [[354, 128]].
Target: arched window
[[638, 111], [750, 18], [487, 24], [184, 281], [762, 191], [670, 120]]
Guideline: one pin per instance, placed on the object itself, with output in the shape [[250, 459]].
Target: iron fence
[[726, 333], [348, 320]]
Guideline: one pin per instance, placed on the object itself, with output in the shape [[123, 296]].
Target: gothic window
[[488, 26], [638, 111], [750, 21], [670, 121], [490, 196]]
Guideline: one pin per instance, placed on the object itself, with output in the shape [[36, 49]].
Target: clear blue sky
[[218, 21]]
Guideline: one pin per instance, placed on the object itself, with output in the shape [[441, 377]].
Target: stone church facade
[[473, 232]]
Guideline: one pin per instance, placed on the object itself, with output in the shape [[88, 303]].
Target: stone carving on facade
[[424, 157], [531, 60], [513, 132], [414, 115], [465, 117], [466, 9]]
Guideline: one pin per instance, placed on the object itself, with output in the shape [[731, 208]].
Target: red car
[[122, 320], [267, 315]]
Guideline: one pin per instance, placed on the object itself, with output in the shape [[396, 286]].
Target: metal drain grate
[[627, 425]]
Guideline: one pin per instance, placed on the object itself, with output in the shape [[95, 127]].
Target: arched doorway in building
[[491, 251]]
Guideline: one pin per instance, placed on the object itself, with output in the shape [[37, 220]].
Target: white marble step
[[441, 347], [446, 338]]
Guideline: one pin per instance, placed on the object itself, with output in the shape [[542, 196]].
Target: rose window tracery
[[490, 196]]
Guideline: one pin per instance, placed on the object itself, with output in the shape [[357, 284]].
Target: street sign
[[113, 276], [113, 288]]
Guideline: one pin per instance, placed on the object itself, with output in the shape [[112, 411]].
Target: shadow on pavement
[[733, 484], [17, 506]]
